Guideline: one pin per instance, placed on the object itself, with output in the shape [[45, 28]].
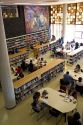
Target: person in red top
[[18, 70]]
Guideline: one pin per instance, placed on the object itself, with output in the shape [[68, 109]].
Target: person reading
[[77, 68]]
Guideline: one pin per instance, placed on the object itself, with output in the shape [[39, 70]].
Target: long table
[[57, 101], [37, 73]]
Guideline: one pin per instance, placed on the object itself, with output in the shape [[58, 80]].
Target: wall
[[15, 26]]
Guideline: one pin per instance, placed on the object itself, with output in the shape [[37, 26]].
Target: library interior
[[41, 67]]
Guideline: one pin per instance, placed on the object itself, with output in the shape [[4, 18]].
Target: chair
[[37, 110], [75, 119], [63, 88], [55, 113]]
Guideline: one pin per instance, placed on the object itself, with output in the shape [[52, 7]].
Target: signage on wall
[[36, 18]]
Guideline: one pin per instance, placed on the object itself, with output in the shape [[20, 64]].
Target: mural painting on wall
[[36, 18]]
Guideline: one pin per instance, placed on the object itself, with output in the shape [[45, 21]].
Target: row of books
[[31, 86]]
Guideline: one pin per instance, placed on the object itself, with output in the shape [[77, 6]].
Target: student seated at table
[[75, 119], [63, 86], [18, 70], [36, 96], [42, 62], [79, 85], [61, 52], [30, 66], [67, 46], [23, 65], [76, 45], [77, 68], [68, 79], [36, 105], [21, 75]]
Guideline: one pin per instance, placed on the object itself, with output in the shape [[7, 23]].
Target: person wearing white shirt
[[79, 85]]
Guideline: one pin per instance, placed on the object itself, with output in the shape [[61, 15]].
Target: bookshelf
[[75, 55], [40, 49], [16, 42], [26, 40], [41, 36], [18, 57], [31, 82], [53, 44]]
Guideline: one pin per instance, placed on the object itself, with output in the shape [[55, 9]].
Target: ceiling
[[37, 2]]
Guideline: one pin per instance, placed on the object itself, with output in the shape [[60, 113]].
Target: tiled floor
[[21, 114]]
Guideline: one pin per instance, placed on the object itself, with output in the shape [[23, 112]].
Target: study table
[[57, 101], [75, 75]]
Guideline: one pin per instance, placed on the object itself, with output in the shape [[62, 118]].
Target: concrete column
[[5, 73], [64, 21]]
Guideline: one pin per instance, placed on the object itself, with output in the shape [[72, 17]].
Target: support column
[[5, 73], [64, 21]]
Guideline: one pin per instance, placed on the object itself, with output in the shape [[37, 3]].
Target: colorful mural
[[36, 18]]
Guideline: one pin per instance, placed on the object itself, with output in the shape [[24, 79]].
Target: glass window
[[9, 11]]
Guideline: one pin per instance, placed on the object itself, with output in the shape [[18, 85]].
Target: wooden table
[[37, 73]]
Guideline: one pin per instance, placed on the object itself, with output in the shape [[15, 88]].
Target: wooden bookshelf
[[17, 57], [40, 49], [42, 36], [16, 42], [30, 83]]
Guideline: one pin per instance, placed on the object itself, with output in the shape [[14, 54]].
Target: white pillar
[[64, 21], [6, 80]]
